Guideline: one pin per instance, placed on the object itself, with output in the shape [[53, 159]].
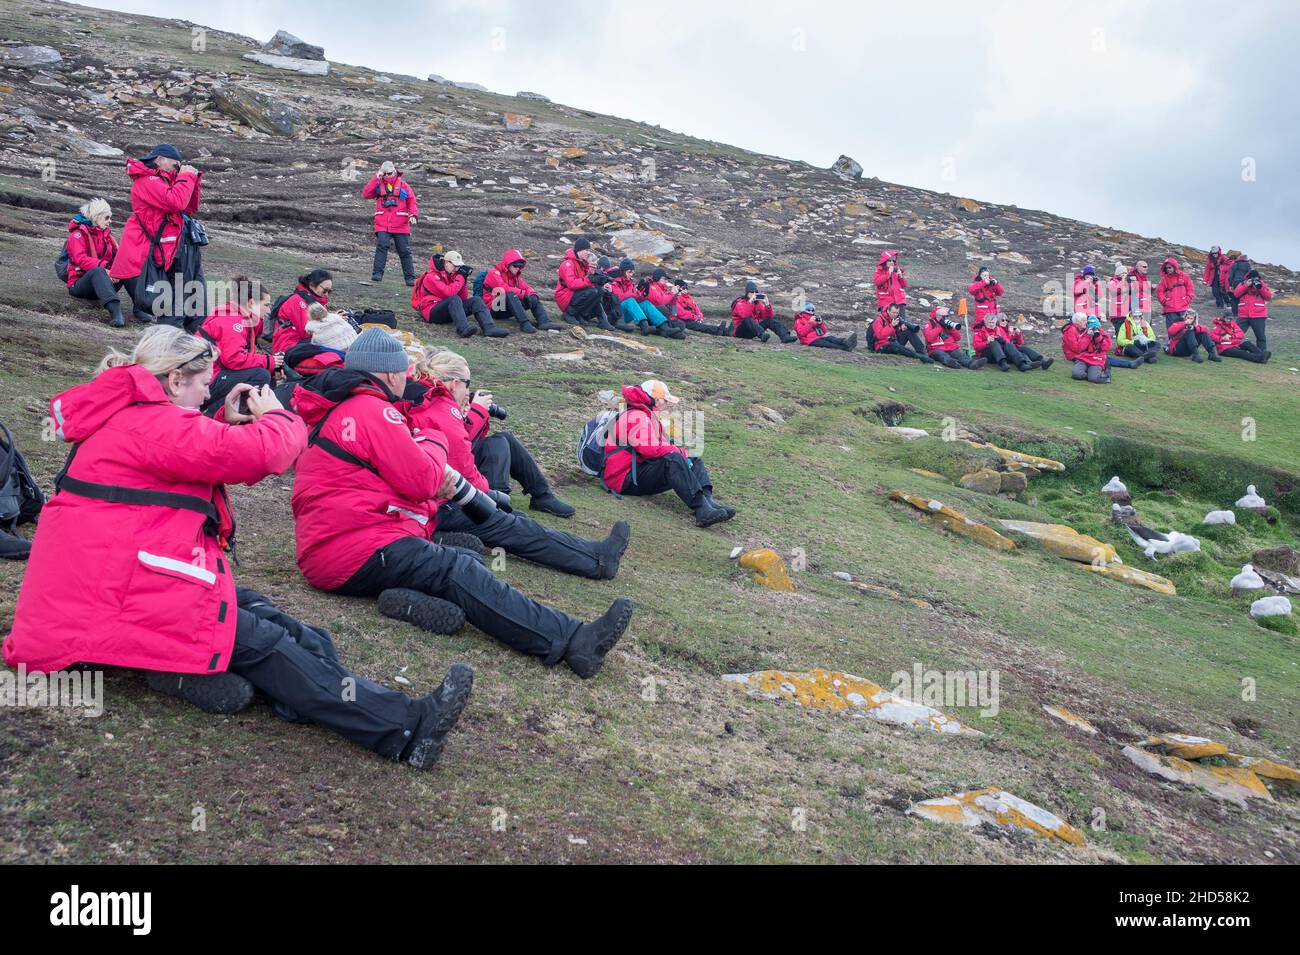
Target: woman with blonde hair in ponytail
[[130, 566]]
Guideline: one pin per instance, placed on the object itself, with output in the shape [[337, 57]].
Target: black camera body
[[390, 202], [465, 270], [949, 323], [496, 411]]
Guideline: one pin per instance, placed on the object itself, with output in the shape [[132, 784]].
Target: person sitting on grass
[[660, 293], [1136, 339], [507, 294], [988, 344], [812, 331], [579, 288], [943, 341], [637, 311], [1085, 346], [1014, 347], [367, 494], [1187, 336], [233, 329], [891, 335], [684, 310], [1230, 339], [131, 564], [91, 248], [751, 317], [441, 295]]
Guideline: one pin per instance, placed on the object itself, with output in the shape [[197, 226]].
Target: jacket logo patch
[[393, 415], [237, 327], [458, 414]]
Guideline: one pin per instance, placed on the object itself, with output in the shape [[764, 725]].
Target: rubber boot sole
[[452, 695], [216, 693], [428, 613]]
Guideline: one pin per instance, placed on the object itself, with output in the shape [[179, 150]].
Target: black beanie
[[603, 262], [751, 287], [659, 274], [580, 245]]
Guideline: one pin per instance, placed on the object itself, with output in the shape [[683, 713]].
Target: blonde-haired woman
[[91, 250], [444, 403], [129, 566]]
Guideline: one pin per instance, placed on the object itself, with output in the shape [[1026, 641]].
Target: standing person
[[751, 317], [130, 565], [442, 295], [1187, 336], [1236, 275], [943, 341], [1229, 339], [1087, 291], [1175, 291], [289, 314], [891, 284], [91, 250], [1136, 339], [684, 310], [1217, 268], [366, 496], [396, 210], [163, 191], [1252, 297], [1014, 347], [579, 287], [640, 460], [1139, 290], [233, 329], [1085, 346], [812, 331], [985, 292], [891, 335], [507, 294], [1117, 296]]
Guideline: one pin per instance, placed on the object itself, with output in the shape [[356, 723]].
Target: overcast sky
[[1176, 120]]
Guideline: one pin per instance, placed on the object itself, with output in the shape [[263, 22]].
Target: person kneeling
[[366, 496], [943, 341], [1085, 345], [812, 331], [147, 557]]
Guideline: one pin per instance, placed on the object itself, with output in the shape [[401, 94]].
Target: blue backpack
[[478, 283], [591, 445]]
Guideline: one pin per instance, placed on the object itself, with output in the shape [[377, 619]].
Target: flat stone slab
[[1070, 719], [291, 63], [1020, 458], [1131, 575], [998, 808], [846, 694], [1064, 541], [941, 515], [1235, 784]]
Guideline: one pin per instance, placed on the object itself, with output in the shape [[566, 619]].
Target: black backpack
[[61, 263], [21, 499], [1237, 274]]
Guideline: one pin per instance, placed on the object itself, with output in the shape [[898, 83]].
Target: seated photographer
[[751, 317], [331, 334], [233, 329], [943, 341], [1014, 347], [441, 295], [579, 289], [635, 305], [891, 335], [987, 343], [507, 295], [366, 496], [1085, 346], [130, 565], [1252, 297], [1230, 339], [640, 461], [288, 316], [684, 310], [443, 407], [811, 330], [657, 296], [1187, 337], [1136, 339], [91, 249]]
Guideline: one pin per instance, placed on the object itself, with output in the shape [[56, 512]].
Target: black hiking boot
[[548, 503], [586, 652], [978, 363], [611, 551], [212, 693], [428, 613], [709, 513], [439, 712], [527, 328], [1047, 363], [462, 539]]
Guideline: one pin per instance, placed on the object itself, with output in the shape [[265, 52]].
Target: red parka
[[882, 332], [742, 308], [573, 275], [1117, 297], [395, 219], [234, 331], [890, 286], [938, 338], [1175, 292], [685, 309], [157, 199], [500, 277], [439, 413], [1226, 333], [1087, 294], [624, 288], [434, 286], [1178, 329], [1252, 302], [986, 297], [638, 427], [291, 321], [88, 248], [980, 336], [1217, 266], [141, 585], [1082, 346], [1139, 292], [660, 297], [809, 328]]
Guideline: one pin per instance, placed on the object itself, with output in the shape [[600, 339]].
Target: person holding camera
[[657, 298], [1175, 291], [683, 309], [442, 295], [1187, 336], [1237, 270], [751, 317], [1218, 266], [579, 288], [942, 334], [891, 284], [1230, 339], [507, 294], [1135, 339], [811, 331], [396, 210], [634, 301], [164, 189], [443, 405], [1014, 347], [289, 314], [891, 335], [1117, 296], [985, 291], [1253, 295], [131, 565], [366, 500], [1139, 290], [1085, 346], [233, 329], [988, 343], [1087, 292]]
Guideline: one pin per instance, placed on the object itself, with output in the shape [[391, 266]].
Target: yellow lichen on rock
[[1188, 747], [955, 521], [846, 694], [1065, 541], [930, 474], [1231, 783], [1070, 719], [769, 569], [1269, 769], [878, 591], [1020, 458], [1132, 575], [999, 808]]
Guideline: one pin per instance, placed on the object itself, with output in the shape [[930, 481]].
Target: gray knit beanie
[[376, 351]]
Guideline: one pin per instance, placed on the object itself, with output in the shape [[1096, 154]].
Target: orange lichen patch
[[1268, 769], [1131, 575], [941, 515], [930, 474], [1064, 541], [876, 590], [1231, 783], [999, 808], [1188, 747], [846, 694], [1020, 458], [769, 569], [1070, 719]]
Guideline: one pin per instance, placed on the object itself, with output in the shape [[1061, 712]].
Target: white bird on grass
[[1220, 517], [1114, 486], [1153, 542], [1251, 499], [1247, 579]]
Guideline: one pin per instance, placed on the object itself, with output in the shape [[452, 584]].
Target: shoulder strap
[[120, 494]]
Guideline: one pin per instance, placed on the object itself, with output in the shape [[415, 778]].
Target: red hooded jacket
[[157, 199], [660, 297], [1226, 333], [291, 320], [1252, 302], [1175, 292], [1217, 266], [809, 328], [1087, 294], [234, 331], [882, 333], [500, 277], [438, 412], [1139, 292], [890, 286], [140, 585], [344, 512], [986, 297], [938, 338], [1178, 329], [624, 288], [638, 427], [1117, 297], [685, 309], [742, 308], [1010, 333], [980, 336], [1079, 345], [573, 275], [88, 248], [434, 286], [395, 219]]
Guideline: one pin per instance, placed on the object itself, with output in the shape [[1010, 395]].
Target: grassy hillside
[[596, 771]]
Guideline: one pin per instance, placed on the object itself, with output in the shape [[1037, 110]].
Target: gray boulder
[[257, 110], [292, 63], [537, 97], [31, 57], [847, 168], [285, 43]]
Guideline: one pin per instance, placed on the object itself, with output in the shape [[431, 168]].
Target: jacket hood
[[138, 170], [510, 257], [1169, 261], [79, 222], [81, 411], [636, 397], [313, 399], [887, 255]]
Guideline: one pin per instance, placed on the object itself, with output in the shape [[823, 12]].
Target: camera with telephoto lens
[[465, 270], [476, 505], [390, 202], [949, 323], [496, 411]]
